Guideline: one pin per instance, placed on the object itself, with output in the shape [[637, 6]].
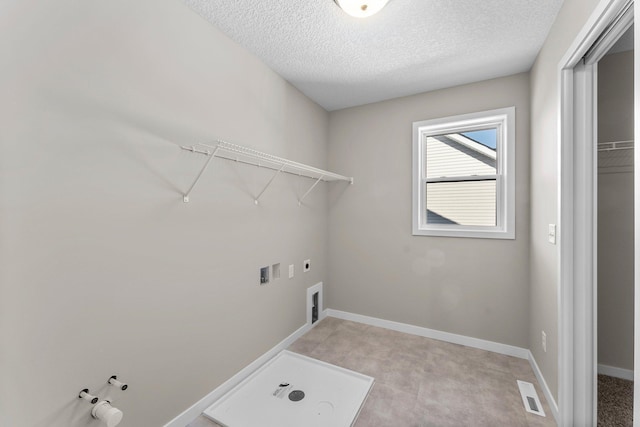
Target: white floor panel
[[292, 390]]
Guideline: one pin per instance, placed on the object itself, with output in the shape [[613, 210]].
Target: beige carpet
[[615, 402]]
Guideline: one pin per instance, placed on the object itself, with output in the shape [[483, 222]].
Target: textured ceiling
[[411, 46]]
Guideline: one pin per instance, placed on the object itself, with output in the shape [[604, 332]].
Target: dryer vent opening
[[314, 307], [315, 304]]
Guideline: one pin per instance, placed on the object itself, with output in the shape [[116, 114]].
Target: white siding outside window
[[463, 175]]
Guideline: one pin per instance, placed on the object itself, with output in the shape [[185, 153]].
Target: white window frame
[[504, 120]]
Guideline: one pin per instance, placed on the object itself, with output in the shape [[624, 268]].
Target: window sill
[[466, 233]]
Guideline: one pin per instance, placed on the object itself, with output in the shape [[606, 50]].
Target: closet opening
[[615, 233]]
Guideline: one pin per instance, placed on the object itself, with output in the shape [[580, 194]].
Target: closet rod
[[241, 154]]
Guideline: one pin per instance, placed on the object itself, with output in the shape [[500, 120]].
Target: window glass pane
[[462, 202], [461, 154], [487, 137]]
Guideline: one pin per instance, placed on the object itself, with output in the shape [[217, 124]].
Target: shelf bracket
[[309, 190], [268, 184], [206, 165]]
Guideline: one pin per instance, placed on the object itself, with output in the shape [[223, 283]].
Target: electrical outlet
[[306, 265], [544, 342], [291, 271]]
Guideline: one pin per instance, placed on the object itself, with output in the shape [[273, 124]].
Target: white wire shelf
[[238, 153], [615, 145], [615, 156]]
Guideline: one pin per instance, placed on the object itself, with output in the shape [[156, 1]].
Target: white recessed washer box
[[292, 390]]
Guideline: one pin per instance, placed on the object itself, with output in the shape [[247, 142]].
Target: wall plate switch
[[544, 342], [552, 234], [306, 265], [291, 271]]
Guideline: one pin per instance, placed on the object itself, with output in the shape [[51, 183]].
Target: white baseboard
[[194, 411], [495, 347], [612, 371], [553, 405]]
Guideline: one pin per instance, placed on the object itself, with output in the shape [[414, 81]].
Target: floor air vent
[[530, 398]]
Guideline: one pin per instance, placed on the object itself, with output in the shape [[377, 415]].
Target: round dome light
[[361, 8]]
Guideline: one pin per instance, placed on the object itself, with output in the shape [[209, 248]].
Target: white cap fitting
[[106, 413]]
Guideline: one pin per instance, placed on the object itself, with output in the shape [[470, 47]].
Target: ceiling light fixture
[[361, 8]]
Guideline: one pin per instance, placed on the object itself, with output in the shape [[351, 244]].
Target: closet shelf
[[238, 153], [615, 145]]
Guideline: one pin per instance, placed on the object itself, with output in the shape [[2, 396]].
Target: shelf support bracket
[[206, 165], [309, 190], [268, 184]]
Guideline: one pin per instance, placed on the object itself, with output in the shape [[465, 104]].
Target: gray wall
[[103, 269], [615, 213], [473, 287], [544, 181]]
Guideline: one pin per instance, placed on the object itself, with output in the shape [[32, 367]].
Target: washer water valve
[[106, 413], [119, 384], [84, 394]]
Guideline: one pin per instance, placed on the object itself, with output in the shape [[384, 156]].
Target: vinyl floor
[[422, 382]]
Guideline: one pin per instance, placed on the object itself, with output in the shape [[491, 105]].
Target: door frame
[[577, 205]]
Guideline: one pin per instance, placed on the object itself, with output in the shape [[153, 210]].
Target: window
[[463, 175]]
